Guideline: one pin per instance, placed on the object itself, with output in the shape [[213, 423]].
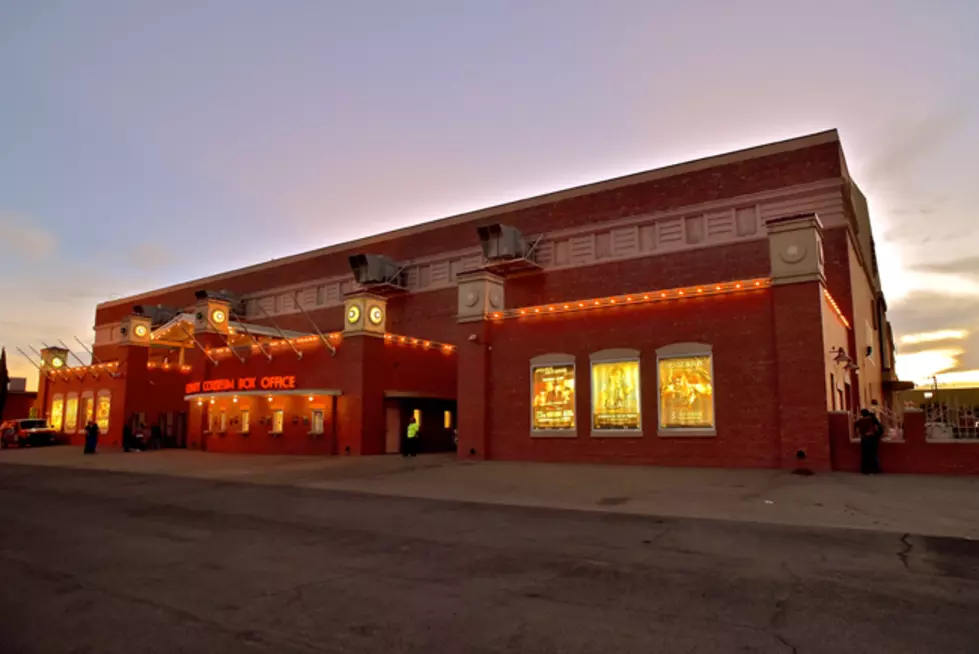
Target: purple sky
[[144, 144]]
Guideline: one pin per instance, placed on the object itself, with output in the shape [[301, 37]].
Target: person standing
[[156, 437], [412, 437], [870, 430], [127, 437], [91, 437]]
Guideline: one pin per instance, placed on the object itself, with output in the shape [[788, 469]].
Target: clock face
[[140, 330], [57, 362], [218, 316], [353, 314], [376, 315]]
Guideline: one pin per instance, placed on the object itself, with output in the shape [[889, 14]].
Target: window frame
[[685, 351], [312, 421], [550, 360], [605, 357], [272, 429]]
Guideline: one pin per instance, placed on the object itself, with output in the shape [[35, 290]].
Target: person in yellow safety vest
[[412, 439]]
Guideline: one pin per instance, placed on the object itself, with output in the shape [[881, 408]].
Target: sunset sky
[[147, 143]]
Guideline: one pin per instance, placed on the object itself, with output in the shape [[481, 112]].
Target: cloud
[[934, 337], [966, 265], [921, 366], [20, 237], [910, 145]]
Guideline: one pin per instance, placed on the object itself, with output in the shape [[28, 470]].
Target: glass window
[[245, 421], [87, 410], [224, 422], [317, 422], [686, 392], [447, 420], [553, 398], [615, 395], [57, 413], [71, 413], [418, 417], [278, 420], [102, 412]]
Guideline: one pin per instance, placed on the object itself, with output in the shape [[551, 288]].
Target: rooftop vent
[[377, 271], [505, 250], [158, 315]]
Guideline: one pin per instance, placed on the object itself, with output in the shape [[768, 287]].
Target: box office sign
[[553, 397], [686, 393], [615, 396], [284, 383]]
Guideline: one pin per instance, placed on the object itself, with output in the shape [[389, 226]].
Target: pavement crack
[[792, 648], [903, 554]]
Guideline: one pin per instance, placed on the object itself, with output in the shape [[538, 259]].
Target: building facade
[[713, 313]]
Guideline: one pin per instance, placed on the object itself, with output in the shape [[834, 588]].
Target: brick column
[[480, 293], [795, 247]]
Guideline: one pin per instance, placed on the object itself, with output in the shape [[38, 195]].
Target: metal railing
[[951, 422]]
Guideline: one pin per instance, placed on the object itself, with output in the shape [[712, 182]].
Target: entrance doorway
[[436, 424]]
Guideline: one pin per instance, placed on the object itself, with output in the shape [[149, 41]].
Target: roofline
[[755, 152]]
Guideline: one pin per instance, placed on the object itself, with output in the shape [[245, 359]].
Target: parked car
[[28, 431]]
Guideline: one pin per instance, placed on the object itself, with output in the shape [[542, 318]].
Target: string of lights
[[153, 365], [334, 337], [836, 308], [647, 297], [423, 343]]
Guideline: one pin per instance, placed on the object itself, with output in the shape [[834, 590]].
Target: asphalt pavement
[[103, 562]]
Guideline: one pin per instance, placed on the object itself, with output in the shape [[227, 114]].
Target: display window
[[616, 395], [71, 413], [102, 406], [552, 397], [57, 413], [686, 392]]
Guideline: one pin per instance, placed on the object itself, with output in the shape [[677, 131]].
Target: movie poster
[[102, 412], [57, 408], [615, 395], [553, 398], [686, 393]]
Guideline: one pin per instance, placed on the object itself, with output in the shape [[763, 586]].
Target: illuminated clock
[[376, 315], [140, 330], [57, 362], [218, 316], [353, 314]]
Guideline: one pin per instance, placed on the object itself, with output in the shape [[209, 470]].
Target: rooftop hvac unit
[[502, 242], [158, 315], [237, 304], [506, 251], [376, 270]]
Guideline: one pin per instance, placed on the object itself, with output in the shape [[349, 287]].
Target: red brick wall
[[751, 176], [740, 328], [717, 264], [18, 405]]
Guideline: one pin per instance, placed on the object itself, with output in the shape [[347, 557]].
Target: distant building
[[712, 313], [19, 400]]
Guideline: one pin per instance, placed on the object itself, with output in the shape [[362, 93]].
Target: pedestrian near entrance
[[156, 437], [127, 437], [91, 437], [411, 441], [870, 430]]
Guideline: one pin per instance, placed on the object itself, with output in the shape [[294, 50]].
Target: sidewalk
[[918, 504]]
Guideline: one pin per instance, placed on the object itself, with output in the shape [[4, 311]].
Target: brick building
[[715, 312]]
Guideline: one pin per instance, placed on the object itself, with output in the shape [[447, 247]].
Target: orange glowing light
[[550, 308], [717, 288], [537, 310], [581, 304], [522, 312], [680, 293], [403, 339], [597, 302], [612, 300], [738, 286], [662, 294], [757, 283], [427, 343], [628, 299], [700, 290], [566, 306]]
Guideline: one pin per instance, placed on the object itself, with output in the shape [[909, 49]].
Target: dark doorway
[[436, 419]]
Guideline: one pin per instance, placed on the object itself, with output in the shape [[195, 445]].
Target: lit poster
[[686, 393], [615, 395], [86, 411], [71, 414], [102, 413], [553, 399], [57, 407]]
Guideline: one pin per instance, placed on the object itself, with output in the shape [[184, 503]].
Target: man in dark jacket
[[127, 437], [870, 430], [91, 437]]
